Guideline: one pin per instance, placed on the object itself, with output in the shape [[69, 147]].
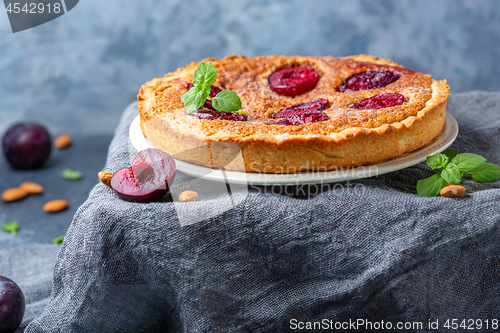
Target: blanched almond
[[452, 191], [55, 206], [105, 177], [188, 196], [14, 194], [63, 140], [31, 187]]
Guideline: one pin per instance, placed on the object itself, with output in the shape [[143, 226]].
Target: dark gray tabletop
[[87, 154]]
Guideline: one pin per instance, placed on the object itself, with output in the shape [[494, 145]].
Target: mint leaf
[[204, 77], [205, 74], [450, 153], [453, 166], [430, 187], [467, 161], [451, 173], [11, 227], [436, 161], [486, 172], [58, 240], [194, 98], [226, 101], [71, 174]]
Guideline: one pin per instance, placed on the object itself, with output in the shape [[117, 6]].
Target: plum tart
[[300, 113]]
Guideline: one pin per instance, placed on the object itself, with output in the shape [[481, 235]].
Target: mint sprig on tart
[[204, 77]]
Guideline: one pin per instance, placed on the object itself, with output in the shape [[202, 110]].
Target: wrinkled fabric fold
[[366, 249]]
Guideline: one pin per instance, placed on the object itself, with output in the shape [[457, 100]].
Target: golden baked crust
[[350, 137]]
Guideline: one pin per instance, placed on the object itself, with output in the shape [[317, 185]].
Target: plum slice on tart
[[369, 80], [314, 105], [213, 114], [303, 118], [379, 101], [293, 81], [299, 114]]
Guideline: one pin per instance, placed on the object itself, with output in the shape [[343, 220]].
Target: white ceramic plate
[[440, 143]]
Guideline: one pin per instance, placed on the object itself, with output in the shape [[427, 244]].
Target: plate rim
[[437, 145]]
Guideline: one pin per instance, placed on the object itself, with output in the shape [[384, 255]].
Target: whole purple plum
[[26, 145], [12, 305]]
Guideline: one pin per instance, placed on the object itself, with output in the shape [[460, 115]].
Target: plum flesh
[[369, 80], [315, 105], [303, 118], [379, 102], [212, 115], [298, 114], [12, 305], [147, 179], [293, 81]]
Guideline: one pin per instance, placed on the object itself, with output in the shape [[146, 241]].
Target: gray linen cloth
[[280, 258]]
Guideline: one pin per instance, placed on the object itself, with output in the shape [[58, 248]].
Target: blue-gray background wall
[[78, 72]]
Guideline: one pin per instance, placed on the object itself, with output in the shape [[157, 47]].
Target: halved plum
[[212, 114], [293, 81], [213, 92], [303, 118], [369, 80], [147, 179], [315, 105], [379, 101]]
